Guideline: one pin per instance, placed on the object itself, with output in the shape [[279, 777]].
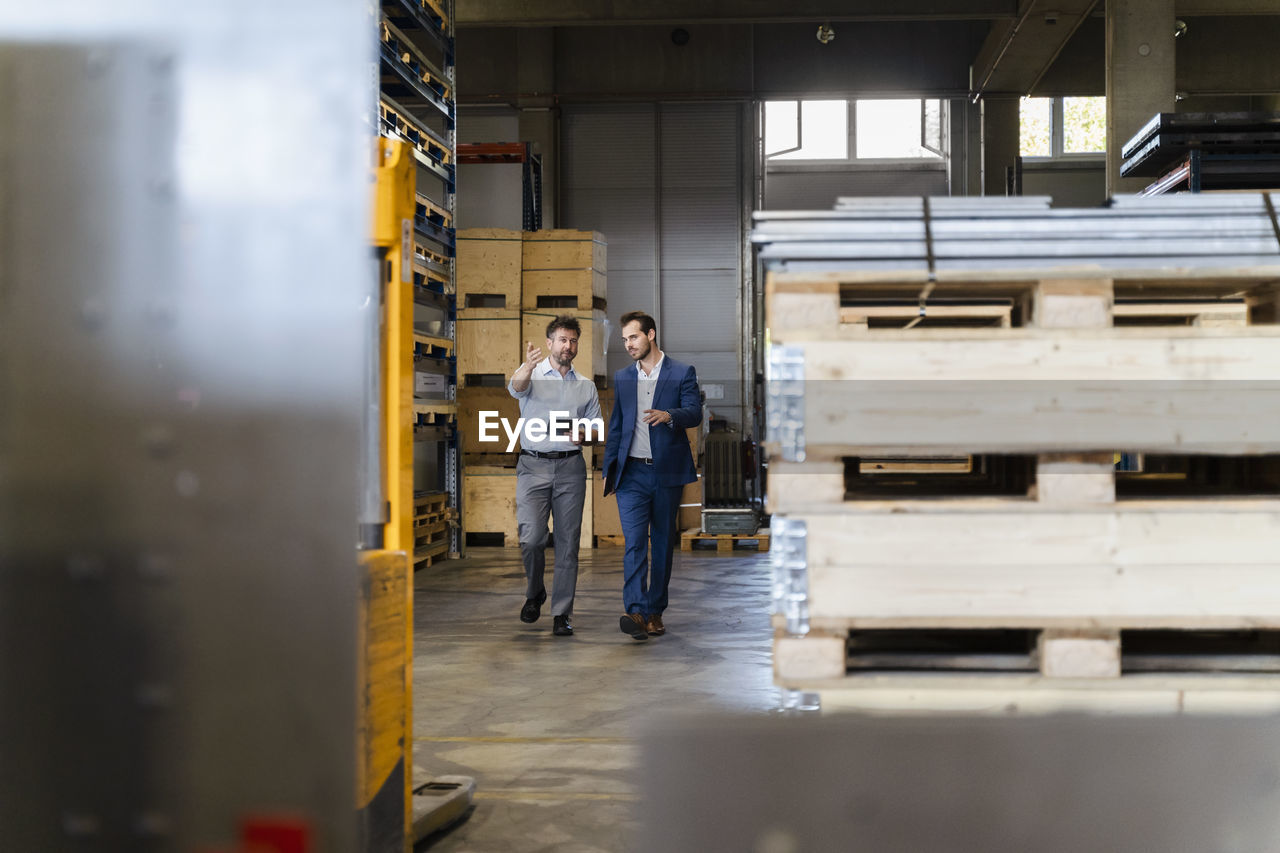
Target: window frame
[[1057, 137], [853, 162]]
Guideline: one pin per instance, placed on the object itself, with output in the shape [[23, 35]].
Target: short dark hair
[[567, 322], [646, 322]]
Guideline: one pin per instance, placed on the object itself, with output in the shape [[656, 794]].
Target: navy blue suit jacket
[[677, 393]]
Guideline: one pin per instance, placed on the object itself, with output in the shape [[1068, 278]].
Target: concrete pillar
[[964, 164], [539, 117], [1000, 141], [1140, 77]]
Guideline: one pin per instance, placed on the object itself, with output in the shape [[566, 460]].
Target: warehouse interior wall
[[636, 124], [490, 195]]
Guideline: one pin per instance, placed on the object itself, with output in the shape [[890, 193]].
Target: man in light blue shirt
[[551, 475]]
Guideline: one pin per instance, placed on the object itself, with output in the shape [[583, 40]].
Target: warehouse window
[[844, 131], [1062, 127]]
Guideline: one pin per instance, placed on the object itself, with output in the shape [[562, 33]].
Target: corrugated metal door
[[663, 184]]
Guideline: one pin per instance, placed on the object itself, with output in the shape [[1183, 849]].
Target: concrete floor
[[548, 726]]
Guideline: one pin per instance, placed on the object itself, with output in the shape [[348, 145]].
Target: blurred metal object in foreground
[[183, 211], [1053, 785]]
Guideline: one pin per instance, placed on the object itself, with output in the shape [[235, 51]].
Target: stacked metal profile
[[950, 382], [1206, 151]]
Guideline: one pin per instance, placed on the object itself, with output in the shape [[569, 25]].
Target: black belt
[[555, 454], [639, 459]]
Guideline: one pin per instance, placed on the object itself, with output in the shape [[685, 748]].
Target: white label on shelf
[[428, 383], [406, 250]]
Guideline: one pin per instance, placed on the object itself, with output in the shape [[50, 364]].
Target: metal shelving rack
[[416, 73]]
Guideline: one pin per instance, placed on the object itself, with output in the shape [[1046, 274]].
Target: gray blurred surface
[[180, 352], [1065, 783]]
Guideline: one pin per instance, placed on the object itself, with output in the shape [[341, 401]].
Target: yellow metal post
[[385, 756]]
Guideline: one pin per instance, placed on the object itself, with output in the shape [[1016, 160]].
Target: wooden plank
[[563, 249], [969, 564], [1075, 478], [1079, 653], [433, 341], [546, 290], [811, 658], [489, 502], [1072, 303], [488, 347], [1020, 695], [489, 267], [1031, 390], [384, 721]]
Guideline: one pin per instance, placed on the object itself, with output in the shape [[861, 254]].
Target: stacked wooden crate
[[994, 558], [510, 286]]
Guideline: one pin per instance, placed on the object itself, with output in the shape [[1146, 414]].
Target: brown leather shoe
[[633, 625], [654, 626]]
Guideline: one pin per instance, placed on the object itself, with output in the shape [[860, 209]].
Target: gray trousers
[[555, 487]]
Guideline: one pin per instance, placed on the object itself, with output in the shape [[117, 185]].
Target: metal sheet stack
[[951, 382], [1208, 150]]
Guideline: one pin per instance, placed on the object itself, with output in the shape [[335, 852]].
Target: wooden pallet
[[426, 144], [725, 541], [1052, 653], [1069, 379], [435, 10], [430, 555], [432, 212], [427, 253]]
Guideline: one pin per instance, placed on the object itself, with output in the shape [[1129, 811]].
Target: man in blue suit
[[648, 461]]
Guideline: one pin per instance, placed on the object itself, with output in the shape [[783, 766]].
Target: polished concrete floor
[[548, 726]]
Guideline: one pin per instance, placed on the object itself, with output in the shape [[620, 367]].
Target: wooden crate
[[563, 249], [488, 268], [472, 401], [489, 503], [571, 290], [488, 346], [590, 361]]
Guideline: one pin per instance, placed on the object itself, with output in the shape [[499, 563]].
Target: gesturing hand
[[656, 416], [532, 354]]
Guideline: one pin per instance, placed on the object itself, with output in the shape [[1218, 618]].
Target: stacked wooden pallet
[[510, 285], [993, 533], [432, 520]]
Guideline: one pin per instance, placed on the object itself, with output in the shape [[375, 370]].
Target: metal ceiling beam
[[1016, 54], [564, 13]]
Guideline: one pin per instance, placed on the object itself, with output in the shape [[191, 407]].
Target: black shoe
[[633, 625], [533, 607], [561, 627]]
